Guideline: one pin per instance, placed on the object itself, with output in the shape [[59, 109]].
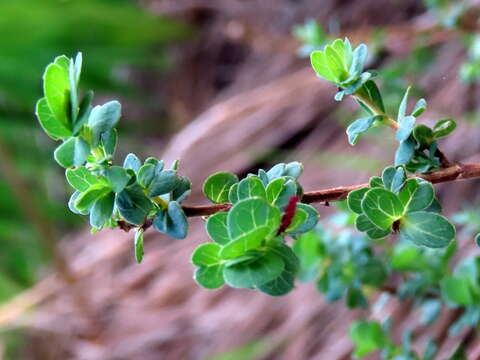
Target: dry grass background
[[240, 93]]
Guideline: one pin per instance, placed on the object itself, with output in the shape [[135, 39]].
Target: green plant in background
[[251, 221], [119, 35], [312, 35]]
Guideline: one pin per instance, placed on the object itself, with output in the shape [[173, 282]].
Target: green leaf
[[407, 124], [102, 210], [424, 135], [283, 283], [375, 181], [233, 194], [427, 229], [417, 195], [335, 64], [56, 87], [293, 169], [210, 277], [146, 174], [274, 189], [373, 94], [402, 109], [133, 205], [86, 199], [276, 171], [172, 222], [108, 140], [359, 57], [398, 180], [266, 267], [405, 152], [444, 127], [387, 176], [182, 190], [289, 189], [309, 223], [249, 214], [382, 207], [360, 126], [84, 112], [217, 228], [104, 118], [117, 177], [138, 242], [74, 106], [298, 219], [72, 152], [354, 199], [419, 108], [81, 178], [250, 187], [132, 162], [164, 182], [319, 64], [54, 128], [217, 186], [206, 255], [362, 223], [457, 290], [71, 204], [249, 240], [367, 337]]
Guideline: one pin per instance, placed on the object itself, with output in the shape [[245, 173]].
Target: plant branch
[[452, 173]]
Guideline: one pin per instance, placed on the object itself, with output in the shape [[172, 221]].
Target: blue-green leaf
[[217, 186], [427, 229], [72, 152]]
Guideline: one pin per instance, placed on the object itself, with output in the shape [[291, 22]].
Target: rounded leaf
[[217, 186]]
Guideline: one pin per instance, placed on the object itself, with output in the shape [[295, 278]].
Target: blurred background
[[221, 85]]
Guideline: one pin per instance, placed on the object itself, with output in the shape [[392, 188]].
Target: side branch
[[452, 173]]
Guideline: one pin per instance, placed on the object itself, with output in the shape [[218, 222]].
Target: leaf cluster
[[136, 193], [249, 249]]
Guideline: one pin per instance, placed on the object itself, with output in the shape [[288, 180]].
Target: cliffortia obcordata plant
[[264, 232]]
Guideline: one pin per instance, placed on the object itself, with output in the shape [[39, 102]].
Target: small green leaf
[[56, 86], [293, 169], [360, 126], [117, 177], [309, 223], [81, 178], [319, 64], [359, 57], [133, 205], [283, 283], [108, 140], [444, 127], [210, 277], [206, 255], [102, 210], [405, 152], [402, 109], [398, 180], [104, 118], [373, 94], [367, 337], [250, 214], [146, 174], [407, 124], [138, 241], [233, 194], [249, 240], [250, 187], [387, 176], [86, 199], [382, 207], [427, 229], [71, 204], [354, 200], [363, 224], [182, 190], [164, 182], [132, 162], [172, 222], [84, 112], [72, 152], [276, 171], [217, 228], [375, 182], [298, 219], [266, 267], [274, 189], [217, 186], [424, 135], [417, 197], [419, 108], [54, 128]]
